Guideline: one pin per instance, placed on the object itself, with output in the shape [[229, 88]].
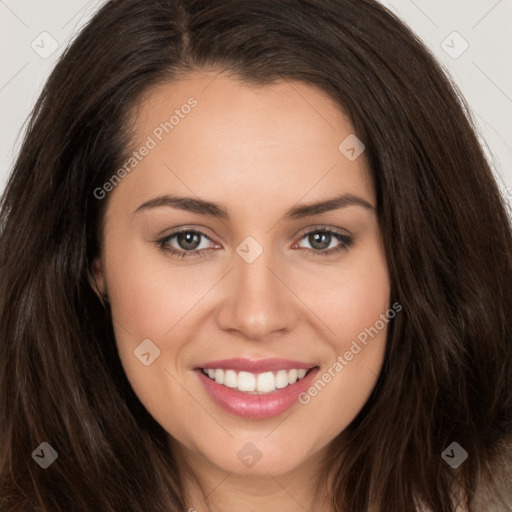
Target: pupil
[[188, 240], [320, 240]]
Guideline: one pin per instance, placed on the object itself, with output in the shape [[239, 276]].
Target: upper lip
[[257, 366]]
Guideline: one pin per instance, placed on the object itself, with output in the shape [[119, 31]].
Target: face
[[241, 311]]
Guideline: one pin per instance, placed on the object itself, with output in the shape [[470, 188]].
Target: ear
[[97, 279]]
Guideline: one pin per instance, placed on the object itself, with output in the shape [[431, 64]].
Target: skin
[[257, 151]]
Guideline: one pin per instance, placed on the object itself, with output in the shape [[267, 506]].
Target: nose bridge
[[254, 280], [258, 303]]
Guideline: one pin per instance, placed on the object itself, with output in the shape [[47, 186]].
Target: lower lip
[[256, 406]]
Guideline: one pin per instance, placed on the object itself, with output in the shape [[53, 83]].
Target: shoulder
[[494, 490]]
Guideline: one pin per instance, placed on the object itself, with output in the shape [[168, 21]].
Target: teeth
[[260, 383], [219, 376], [246, 381], [265, 382], [230, 379], [281, 379]]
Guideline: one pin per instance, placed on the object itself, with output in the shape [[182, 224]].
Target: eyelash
[[346, 240]]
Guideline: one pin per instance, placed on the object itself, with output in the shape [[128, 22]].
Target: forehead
[[216, 137]]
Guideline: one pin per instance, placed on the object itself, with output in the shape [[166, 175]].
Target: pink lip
[[255, 406], [260, 366]]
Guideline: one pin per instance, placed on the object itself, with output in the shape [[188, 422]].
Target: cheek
[[146, 304], [351, 298], [357, 305], [354, 305], [150, 295]]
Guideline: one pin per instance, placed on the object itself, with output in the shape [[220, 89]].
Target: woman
[[252, 256]]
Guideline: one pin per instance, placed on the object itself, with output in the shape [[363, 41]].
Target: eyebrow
[[203, 207]]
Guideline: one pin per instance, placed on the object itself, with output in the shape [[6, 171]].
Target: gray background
[[33, 34]]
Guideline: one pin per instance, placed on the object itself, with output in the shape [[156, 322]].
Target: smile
[[260, 383], [256, 389]]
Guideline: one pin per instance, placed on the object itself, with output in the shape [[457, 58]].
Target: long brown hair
[[448, 369]]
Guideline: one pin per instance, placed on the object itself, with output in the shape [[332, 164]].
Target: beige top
[[496, 495]]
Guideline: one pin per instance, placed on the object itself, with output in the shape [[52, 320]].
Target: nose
[[259, 304]]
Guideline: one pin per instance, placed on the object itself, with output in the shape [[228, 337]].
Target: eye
[[324, 241], [189, 243], [186, 243]]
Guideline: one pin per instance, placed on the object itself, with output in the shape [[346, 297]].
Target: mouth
[[256, 383], [256, 389]]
